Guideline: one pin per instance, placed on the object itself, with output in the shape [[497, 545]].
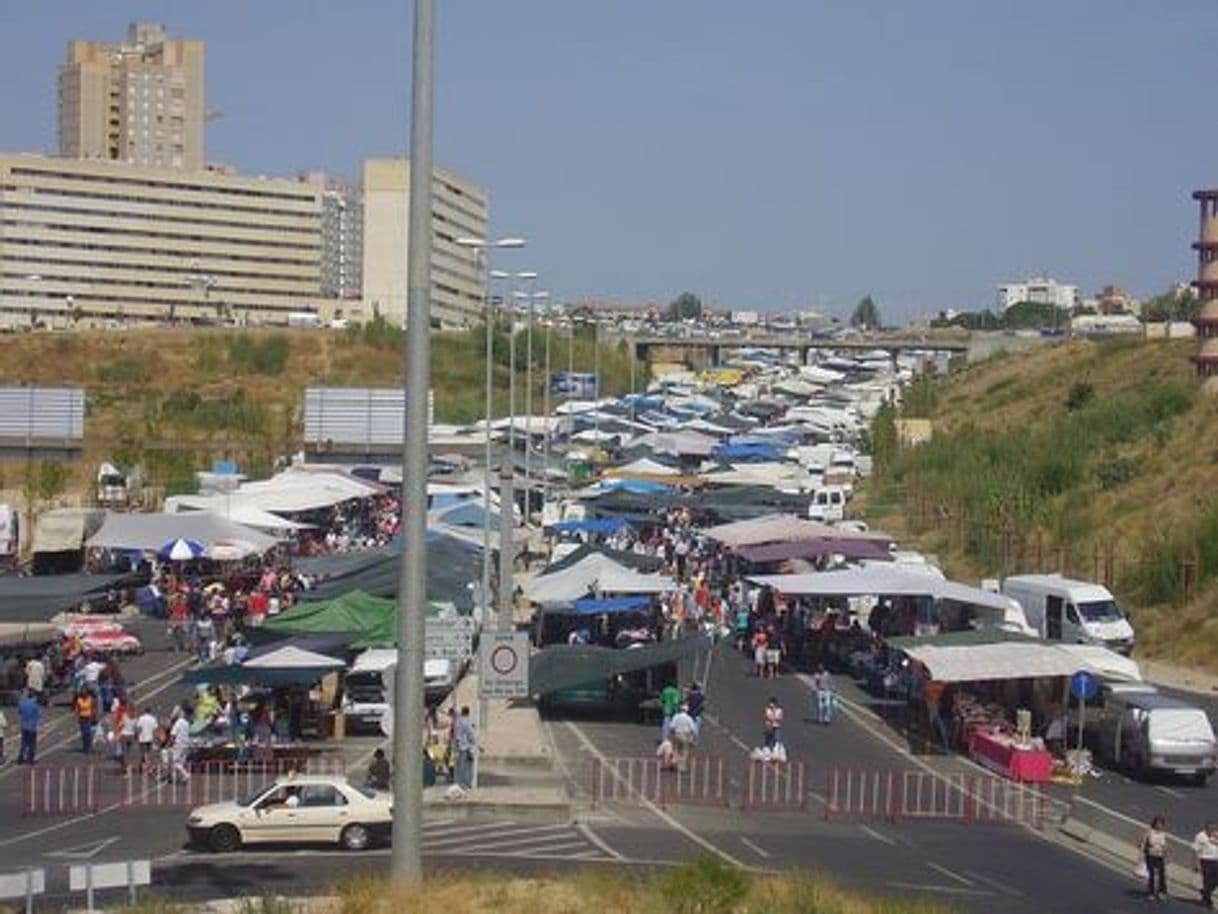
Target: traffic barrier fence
[[893, 796], [774, 787], [67, 790], [699, 780]]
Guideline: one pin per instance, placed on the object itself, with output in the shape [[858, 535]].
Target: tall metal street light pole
[[527, 276], [483, 248], [530, 299], [406, 863], [545, 476]]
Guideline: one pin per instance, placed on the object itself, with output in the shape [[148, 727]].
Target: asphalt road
[[1003, 869]]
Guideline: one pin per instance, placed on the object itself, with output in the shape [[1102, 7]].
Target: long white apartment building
[[107, 240], [1041, 291], [458, 280]]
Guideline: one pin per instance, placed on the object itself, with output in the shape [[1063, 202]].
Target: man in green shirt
[[670, 703]]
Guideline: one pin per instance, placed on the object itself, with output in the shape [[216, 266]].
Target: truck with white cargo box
[[1071, 611]]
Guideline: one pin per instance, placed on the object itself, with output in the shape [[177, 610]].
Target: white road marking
[[994, 884], [1124, 818], [516, 835], [1170, 792], [955, 877], [739, 743], [83, 851], [485, 826], [939, 889], [655, 810], [879, 836], [594, 838], [754, 848], [520, 851]]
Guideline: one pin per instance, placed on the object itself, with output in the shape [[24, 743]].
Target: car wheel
[[355, 838], [224, 839]]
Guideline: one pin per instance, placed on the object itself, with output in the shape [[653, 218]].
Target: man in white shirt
[[1205, 846], [683, 732], [179, 743], [145, 735], [35, 677]]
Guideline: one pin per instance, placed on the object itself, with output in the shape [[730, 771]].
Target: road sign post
[[25, 884], [503, 668], [1083, 686]]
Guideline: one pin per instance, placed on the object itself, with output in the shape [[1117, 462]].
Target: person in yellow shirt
[[85, 707]]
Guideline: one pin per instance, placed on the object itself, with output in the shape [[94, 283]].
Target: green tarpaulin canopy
[[369, 621], [565, 665]]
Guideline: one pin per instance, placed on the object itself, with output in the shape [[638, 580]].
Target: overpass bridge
[[708, 352]]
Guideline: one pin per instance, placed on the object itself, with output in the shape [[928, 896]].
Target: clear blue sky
[[761, 154]]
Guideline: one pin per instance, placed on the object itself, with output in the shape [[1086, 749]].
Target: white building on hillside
[[1041, 291]]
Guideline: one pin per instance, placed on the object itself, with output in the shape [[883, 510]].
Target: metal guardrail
[[698, 781], [894, 796], [775, 787], [72, 790]]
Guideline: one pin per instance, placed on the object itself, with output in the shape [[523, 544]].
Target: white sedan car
[[299, 808]]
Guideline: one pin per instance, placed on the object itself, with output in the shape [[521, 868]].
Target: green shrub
[[705, 886], [1115, 472], [124, 370], [1081, 393], [267, 356]]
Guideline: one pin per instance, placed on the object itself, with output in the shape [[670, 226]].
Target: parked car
[[296, 809]]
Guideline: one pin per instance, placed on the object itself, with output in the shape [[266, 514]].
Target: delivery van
[[368, 686], [828, 504], [1138, 729], [1076, 612]]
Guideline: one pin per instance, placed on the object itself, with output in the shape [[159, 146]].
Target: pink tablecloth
[[998, 753]]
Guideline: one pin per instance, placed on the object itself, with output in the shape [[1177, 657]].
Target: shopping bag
[[1140, 870]]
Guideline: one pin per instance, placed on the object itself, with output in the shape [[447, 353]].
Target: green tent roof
[[369, 621]]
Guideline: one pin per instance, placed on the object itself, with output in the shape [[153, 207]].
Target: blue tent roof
[[590, 606], [750, 451], [599, 525], [638, 486]]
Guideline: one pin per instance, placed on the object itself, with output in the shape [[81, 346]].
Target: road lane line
[[520, 834], [944, 871], [940, 889], [522, 849], [485, 826], [651, 807], [879, 836], [596, 839], [739, 743], [754, 848], [994, 884], [1170, 792]]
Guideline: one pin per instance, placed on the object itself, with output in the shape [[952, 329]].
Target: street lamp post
[[530, 299], [545, 473], [527, 276]]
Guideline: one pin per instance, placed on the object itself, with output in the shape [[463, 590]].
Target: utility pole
[[406, 863], [507, 550]]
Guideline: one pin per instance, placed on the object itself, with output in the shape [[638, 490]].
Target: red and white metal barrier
[[60, 790], [893, 796], [80, 789], [773, 786], [696, 781]]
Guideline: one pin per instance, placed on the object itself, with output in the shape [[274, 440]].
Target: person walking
[[695, 701], [683, 734], [145, 734], [179, 745], [85, 708], [465, 743], [670, 703], [35, 677], [822, 683], [1154, 855], [771, 722], [29, 713], [1205, 846]]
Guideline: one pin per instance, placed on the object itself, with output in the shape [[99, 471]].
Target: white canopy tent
[[773, 528], [298, 489], [149, 532], [233, 507], [595, 574], [1006, 660], [291, 657], [693, 444], [646, 466], [885, 580]]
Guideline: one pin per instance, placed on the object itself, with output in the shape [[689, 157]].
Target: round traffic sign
[[1084, 685], [504, 659]]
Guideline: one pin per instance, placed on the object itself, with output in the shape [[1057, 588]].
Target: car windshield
[[366, 791], [1100, 611], [251, 799]]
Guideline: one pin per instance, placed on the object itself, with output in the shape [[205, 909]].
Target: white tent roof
[[292, 657], [596, 573], [646, 465], [677, 443], [234, 507], [1008, 660], [772, 528], [1106, 663], [298, 489], [883, 580], [149, 532], [774, 475]]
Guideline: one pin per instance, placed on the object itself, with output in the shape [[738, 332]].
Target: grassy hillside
[[1097, 459], [174, 399]]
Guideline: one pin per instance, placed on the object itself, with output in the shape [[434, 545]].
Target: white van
[[828, 504], [1137, 729], [368, 686], [1077, 612]]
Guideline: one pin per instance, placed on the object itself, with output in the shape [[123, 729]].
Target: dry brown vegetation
[[1096, 458]]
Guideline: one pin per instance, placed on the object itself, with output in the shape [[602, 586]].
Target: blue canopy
[[750, 451], [637, 486], [591, 606], [597, 525]]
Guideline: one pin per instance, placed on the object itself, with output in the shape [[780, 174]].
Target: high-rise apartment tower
[[140, 102]]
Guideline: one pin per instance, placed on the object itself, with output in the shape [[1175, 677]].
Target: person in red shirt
[[760, 644]]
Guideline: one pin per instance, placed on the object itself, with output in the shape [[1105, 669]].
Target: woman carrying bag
[[1153, 864]]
